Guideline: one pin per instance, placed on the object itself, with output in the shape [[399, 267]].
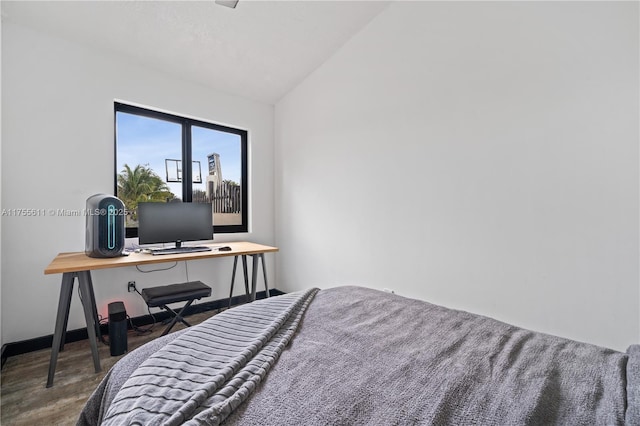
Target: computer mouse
[[225, 248]]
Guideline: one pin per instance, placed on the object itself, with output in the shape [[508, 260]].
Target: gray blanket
[[206, 372], [363, 357]]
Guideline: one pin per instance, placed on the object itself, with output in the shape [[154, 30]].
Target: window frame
[[186, 147]]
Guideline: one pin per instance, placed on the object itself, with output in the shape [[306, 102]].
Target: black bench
[[163, 295]]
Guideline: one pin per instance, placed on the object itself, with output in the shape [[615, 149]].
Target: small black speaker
[[117, 328], [105, 226]]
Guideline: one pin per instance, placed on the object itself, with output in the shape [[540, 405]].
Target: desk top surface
[[79, 261]]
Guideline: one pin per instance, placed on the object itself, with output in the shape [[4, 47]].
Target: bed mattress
[[359, 356]]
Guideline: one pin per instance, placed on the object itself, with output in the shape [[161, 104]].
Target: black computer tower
[[117, 328], [105, 226]]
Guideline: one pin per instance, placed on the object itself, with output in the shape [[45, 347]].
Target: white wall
[[58, 149], [478, 155]]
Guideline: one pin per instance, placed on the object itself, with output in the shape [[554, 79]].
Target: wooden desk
[[78, 265]]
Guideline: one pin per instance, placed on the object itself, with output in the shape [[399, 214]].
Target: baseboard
[[45, 342]]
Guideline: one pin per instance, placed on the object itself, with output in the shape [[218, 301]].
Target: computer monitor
[[174, 222]]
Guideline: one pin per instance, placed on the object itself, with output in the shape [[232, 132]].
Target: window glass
[[167, 158], [221, 153]]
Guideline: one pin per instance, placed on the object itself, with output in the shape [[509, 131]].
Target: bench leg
[[177, 316]]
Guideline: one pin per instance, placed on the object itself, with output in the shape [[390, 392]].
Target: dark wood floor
[[25, 400]]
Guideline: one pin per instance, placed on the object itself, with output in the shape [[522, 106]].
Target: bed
[[358, 356]]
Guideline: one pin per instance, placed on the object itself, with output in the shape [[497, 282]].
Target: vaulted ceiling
[[259, 50]]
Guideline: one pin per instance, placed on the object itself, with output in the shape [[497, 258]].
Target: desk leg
[[66, 290], [254, 275], [233, 277], [90, 314], [246, 277], [264, 274], [94, 305], [71, 276], [255, 264]]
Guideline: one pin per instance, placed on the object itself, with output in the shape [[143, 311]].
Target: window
[[162, 157]]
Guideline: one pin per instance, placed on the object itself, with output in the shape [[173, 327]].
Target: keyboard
[[179, 250]]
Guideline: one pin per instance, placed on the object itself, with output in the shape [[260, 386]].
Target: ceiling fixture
[[229, 3]]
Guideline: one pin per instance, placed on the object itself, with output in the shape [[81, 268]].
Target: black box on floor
[[117, 328]]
